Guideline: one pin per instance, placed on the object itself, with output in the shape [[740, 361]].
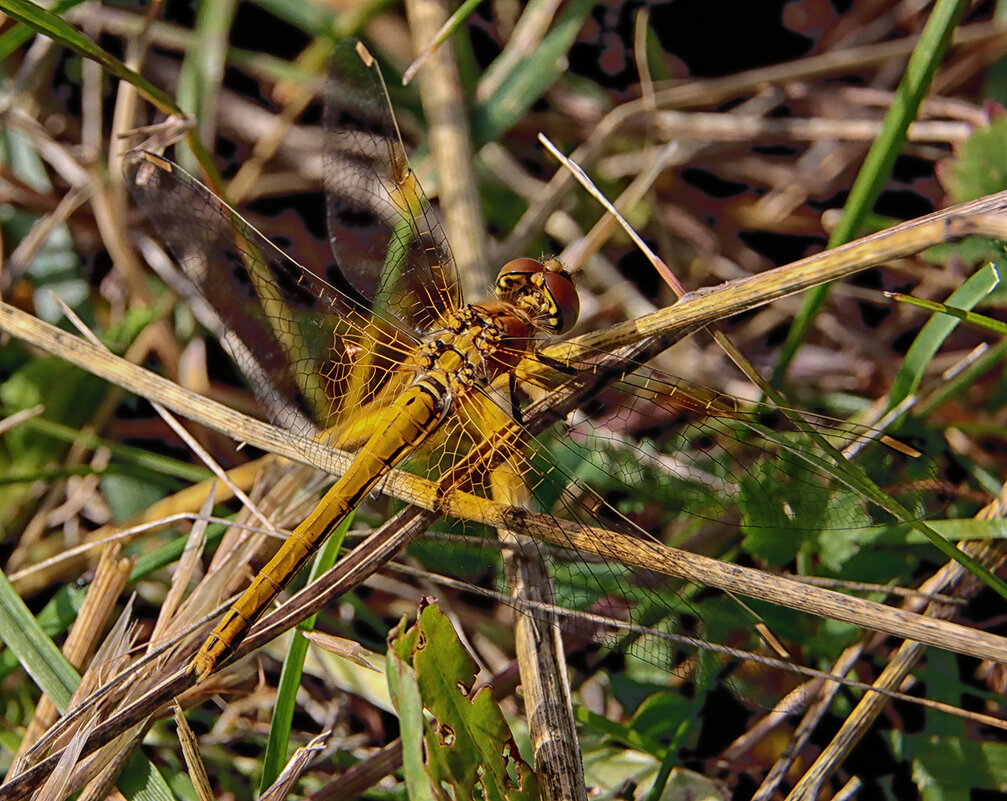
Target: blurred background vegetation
[[772, 108]]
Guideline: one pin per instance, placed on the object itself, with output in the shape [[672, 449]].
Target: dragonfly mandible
[[380, 355]]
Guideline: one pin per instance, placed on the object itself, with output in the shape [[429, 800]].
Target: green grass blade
[[937, 329], [21, 33], [957, 529], [454, 22], [50, 671], [130, 455], [202, 74], [48, 24], [405, 693], [36, 652], [142, 781], [963, 380], [290, 677], [529, 80], [55, 618], [978, 321], [923, 65]]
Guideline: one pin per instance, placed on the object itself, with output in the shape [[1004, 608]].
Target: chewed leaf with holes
[[469, 746]]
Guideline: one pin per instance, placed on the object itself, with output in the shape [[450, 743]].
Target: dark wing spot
[[294, 292], [352, 217], [353, 122], [239, 273]]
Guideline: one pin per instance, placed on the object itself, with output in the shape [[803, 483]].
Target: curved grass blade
[[48, 24], [21, 33], [980, 322], [923, 65], [530, 78], [937, 329], [36, 652]]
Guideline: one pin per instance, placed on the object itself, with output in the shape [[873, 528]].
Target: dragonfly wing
[[384, 233], [779, 469], [301, 341], [652, 455]]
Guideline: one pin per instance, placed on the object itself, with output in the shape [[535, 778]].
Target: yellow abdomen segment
[[417, 413]]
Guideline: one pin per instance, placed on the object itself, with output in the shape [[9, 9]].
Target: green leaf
[[610, 768], [470, 749], [971, 250], [129, 495], [689, 784], [788, 509], [55, 618], [405, 692], [69, 396], [952, 768], [37, 654], [979, 167], [657, 716]]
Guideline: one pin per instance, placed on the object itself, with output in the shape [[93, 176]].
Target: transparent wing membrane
[[384, 234], [312, 352], [702, 475], [598, 443]]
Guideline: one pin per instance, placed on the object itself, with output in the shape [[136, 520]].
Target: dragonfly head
[[544, 290]]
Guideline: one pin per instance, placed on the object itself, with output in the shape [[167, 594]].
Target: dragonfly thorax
[[477, 343], [544, 291]]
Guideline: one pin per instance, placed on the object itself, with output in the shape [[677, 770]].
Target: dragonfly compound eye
[[562, 294], [546, 291]]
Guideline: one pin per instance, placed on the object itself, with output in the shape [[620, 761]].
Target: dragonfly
[[379, 355]]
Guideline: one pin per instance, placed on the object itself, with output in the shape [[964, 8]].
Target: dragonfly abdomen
[[477, 344], [420, 411]]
